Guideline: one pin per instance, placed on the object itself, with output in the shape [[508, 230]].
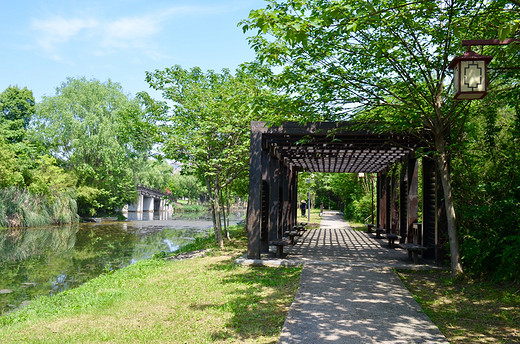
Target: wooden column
[[429, 200], [292, 200], [378, 200], [383, 200], [285, 198], [264, 225], [274, 199], [255, 191], [394, 204], [294, 210], [388, 208], [413, 196], [441, 228], [403, 204]]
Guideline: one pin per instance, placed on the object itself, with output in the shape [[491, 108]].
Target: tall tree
[[388, 59], [97, 132], [208, 125], [17, 107], [10, 173]]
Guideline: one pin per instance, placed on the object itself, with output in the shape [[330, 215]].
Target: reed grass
[[21, 208]]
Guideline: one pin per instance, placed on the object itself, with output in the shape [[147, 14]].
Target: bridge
[[148, 200]]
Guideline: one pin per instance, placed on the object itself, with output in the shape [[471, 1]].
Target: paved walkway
[[348, 292]]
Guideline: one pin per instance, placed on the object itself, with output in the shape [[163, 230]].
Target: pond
[[48, 260]]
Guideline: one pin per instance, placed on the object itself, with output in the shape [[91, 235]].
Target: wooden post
[[394, 204], [441, 229], [413, 196], [274, 199], [294, 184], [255, 191], [378, 200], [285, 198], [429, 200], [292, 201], [403, 204], [388, 208], [264, 225]]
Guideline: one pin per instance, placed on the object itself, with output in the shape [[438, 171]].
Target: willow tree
[[386, 59], [207, 125], [99, 133]]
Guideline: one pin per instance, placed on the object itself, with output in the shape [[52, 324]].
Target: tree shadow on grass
[[261, 308], [467, 310]]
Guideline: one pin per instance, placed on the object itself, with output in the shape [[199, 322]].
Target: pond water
[[48, 260]]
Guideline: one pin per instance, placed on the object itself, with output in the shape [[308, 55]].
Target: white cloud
[[129, 32], [103, 36], [53, 32]]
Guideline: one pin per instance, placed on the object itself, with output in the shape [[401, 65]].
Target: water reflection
[[166, 216], [46, 261]]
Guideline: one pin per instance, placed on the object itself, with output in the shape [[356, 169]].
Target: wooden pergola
[[278, 153]]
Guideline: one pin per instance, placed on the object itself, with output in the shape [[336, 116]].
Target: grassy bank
[[467, 311], [199, 300], [189, 208]]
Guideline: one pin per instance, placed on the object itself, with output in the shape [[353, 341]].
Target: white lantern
[[470, 75]]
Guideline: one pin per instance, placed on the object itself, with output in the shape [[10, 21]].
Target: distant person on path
[[321, 209], [303, 206]]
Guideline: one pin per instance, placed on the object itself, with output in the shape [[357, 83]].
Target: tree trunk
[[213, 193], [228, 211], [441, 160], [224, 215], [218, 220]]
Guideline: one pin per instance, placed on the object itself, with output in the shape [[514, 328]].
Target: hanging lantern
[[470, 75]]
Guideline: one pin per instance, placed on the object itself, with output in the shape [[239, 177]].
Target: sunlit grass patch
[[315, 219], [467, 310]]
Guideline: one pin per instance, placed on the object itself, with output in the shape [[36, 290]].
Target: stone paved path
[[348, 291]]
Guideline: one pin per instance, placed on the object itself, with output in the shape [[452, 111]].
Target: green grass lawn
[[357, 226], [199, 300], [467, 310], [315, 218]]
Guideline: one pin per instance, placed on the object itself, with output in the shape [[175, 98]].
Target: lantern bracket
[[468, 43]]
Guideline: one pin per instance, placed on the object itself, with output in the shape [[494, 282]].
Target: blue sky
[[45, 41]]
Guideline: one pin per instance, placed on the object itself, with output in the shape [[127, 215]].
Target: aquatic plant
[[21, 208]]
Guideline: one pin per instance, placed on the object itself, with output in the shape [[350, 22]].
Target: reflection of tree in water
[[166, 240], [28, 259], [24, 243], [43, 261], [103, 247]]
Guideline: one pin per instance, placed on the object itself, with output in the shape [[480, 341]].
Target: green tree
[[96, 131], [387, 59], [153, 173], [17, 106], [208, 129], [187, 186], [10, 174], [48, 178], [487, 183]]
